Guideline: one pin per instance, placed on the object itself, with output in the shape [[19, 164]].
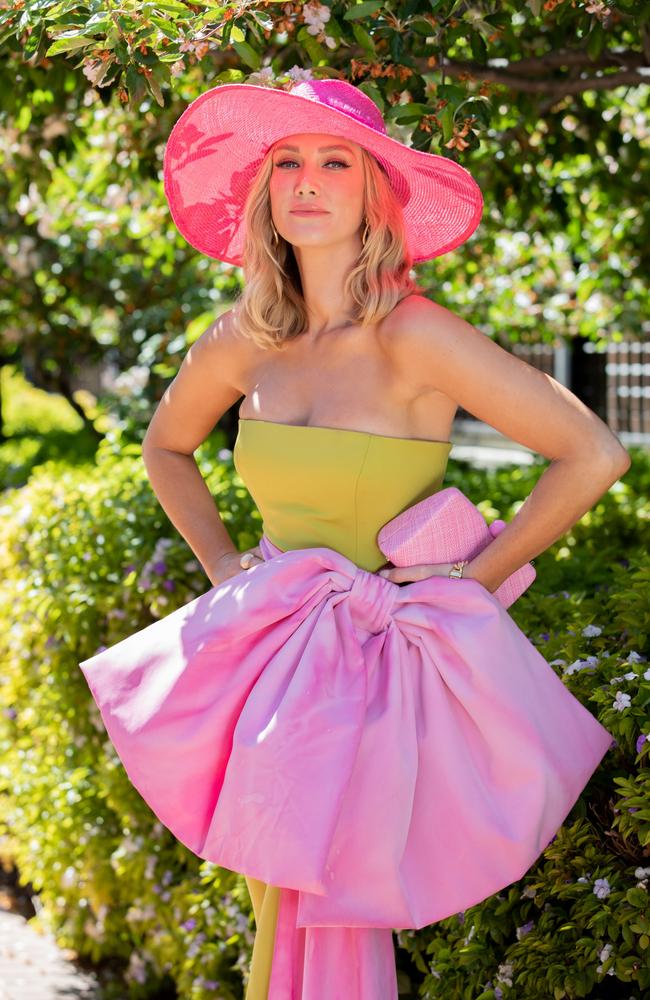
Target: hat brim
[[217, 145]]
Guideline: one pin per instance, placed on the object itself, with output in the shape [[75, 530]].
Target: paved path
[[33, 967]]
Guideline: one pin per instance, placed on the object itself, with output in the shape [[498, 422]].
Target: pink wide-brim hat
[[217, 146]]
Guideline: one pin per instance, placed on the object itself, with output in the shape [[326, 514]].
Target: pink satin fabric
[[390, 755]]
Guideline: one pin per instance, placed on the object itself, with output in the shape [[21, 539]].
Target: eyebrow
[[321, 149]]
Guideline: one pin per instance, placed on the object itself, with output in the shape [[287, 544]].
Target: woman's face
[[312, 174]]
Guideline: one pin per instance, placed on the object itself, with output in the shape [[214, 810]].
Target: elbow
[[620, 457], [617, 459]]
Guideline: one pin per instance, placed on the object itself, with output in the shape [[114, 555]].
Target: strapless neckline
[[343, 430]]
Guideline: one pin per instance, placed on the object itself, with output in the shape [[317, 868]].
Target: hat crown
[[342, 96]]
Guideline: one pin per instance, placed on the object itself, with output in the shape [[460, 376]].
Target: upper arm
[[208, 382], [440, 350]]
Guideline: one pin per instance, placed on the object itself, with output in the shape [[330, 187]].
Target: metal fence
[[614, 383]]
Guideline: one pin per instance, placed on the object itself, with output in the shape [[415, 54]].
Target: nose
[[304, 182]]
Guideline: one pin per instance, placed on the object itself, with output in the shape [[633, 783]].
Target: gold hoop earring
[[366, 232]]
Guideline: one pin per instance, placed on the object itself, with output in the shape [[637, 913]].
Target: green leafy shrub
[[38, 426], [579, 918], [88, 557]]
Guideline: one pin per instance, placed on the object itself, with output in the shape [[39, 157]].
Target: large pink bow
[[394, 753]]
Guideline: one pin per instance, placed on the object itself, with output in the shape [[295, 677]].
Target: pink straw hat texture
[[217, 145]]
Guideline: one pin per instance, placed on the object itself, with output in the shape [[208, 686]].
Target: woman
[[333, 764]]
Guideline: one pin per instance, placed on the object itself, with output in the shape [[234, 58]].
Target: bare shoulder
[[224, 351], [419, 319], [418, 329], [210, 380], [436, 349]]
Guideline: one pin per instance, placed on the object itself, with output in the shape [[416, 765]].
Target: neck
[[323, 271]]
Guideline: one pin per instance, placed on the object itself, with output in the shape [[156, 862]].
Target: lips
[[308, 211]]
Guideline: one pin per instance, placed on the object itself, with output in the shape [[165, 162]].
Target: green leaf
[[230, 76], [69, 45], [406, 112], [237, 35], [637, 898], [248, 55], [173, 7], [595, 41], [154, 88], [374, 93], [314, 49], [422, 26], [135, 85], [362, 10], [364, 39], [167, 27], [446, 117]]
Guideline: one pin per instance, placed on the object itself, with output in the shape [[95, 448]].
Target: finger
[[395, 573], [406, 574]]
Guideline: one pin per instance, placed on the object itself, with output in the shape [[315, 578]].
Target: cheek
[[278, 185], [351, 189]]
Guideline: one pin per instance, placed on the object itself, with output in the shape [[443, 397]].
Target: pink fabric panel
[[393, 754]]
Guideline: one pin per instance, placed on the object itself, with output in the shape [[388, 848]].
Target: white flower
[[263, 78], [641, 872], [504, 974], [602, 888], [557, 663], [646, 674], [591, 630], [297, 73], [330, 42], [630, 676], [605, 952], [591, 661], [621, 702], [596, 7], [470, 935], [316, 15], [635, 657]]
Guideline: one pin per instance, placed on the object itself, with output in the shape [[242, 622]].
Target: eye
[[283, 163]]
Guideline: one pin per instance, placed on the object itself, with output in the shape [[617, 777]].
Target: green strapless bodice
[[335, 487]]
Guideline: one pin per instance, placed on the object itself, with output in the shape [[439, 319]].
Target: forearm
[[184, 496], [566, 490]]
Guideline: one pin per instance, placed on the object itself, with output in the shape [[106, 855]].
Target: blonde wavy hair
[[271, 309]]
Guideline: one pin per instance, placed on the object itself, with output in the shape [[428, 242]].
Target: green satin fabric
[[334, 487], [326, 486]]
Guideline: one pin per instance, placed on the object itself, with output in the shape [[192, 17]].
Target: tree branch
[[554, 86]]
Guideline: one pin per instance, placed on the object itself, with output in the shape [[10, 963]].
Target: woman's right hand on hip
[[229, 565]]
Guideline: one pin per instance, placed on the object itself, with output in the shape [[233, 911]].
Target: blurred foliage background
[[545, 103]]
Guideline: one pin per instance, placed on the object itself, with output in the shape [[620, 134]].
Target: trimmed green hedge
[[87, 557]]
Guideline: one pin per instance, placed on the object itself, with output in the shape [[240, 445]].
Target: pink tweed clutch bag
[[442, 528]]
